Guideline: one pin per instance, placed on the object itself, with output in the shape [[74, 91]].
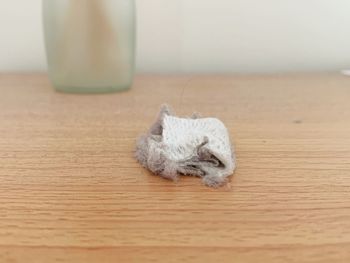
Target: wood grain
[[71, 191]]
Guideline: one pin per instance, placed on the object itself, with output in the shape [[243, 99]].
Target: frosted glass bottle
[[90, 44]]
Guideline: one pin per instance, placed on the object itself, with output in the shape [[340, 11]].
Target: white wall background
[[206, 35]]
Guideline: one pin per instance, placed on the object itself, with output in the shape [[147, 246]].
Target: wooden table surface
[[71, 191]]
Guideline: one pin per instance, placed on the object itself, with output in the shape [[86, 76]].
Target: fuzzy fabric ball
[[194, 146]]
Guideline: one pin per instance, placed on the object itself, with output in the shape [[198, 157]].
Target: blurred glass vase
[[90, 44]]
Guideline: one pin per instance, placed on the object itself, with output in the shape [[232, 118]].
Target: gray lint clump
[[193, 146]]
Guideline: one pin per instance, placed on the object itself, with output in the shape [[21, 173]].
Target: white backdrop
[[206, 35]]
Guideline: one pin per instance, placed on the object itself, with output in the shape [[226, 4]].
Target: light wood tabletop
[[71, 191]]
